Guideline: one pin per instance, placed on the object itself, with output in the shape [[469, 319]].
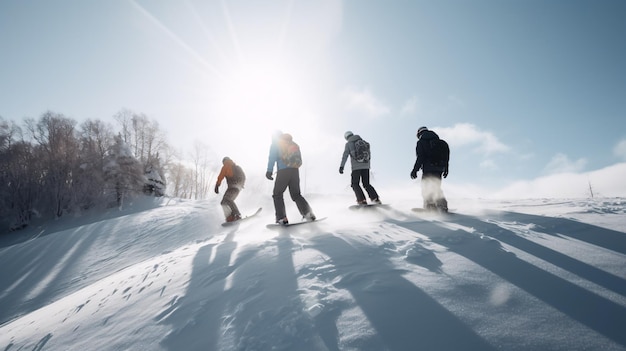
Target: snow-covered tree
[[123, 173], [155, 180], [142, 135], [146, 142]]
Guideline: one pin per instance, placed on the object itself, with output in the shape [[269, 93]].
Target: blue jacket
[[274, 158]]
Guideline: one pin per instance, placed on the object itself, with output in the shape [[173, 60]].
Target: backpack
[[438, 152], [239, 177], [289, 152], [361, 151]]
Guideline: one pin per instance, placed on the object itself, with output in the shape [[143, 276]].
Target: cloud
[[465, 134], [560, 163], [620, 149], [606, 182], [365, 102], [411, 106]]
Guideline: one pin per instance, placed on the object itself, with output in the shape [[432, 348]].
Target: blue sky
[[520, 89]]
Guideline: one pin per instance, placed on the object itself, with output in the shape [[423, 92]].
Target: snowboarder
[[433, 161], [285, 153], [235, 179], [359, 152]]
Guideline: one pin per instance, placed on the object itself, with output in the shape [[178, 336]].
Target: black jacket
[[422, 160]]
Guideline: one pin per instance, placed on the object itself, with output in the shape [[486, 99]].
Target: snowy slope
[[497, 275]]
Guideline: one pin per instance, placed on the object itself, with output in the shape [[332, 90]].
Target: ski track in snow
[[533, 275]]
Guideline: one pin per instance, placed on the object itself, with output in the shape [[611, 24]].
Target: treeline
[[52, 166]]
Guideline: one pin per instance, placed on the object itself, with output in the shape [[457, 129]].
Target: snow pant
[[362, 176], [228, 202], [288, 178], [432, 193]]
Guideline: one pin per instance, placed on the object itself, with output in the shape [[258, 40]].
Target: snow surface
[[546, 274]]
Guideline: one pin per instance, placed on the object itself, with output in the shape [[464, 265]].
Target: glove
[[414, 174], [268, 175], [217, 189], [445, 172], [340, 170]]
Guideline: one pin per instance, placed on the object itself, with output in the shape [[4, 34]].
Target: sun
[[252, 69], [261, 96], [253, 100]]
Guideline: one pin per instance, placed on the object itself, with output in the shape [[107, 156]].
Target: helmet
[[225, 159], [347, 134], [421, 130]]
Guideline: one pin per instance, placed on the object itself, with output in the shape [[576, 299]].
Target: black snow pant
[[228, 202], [432, 193], [362, 175], [288, 178]]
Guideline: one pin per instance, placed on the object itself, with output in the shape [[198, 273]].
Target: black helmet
[[420, 131]]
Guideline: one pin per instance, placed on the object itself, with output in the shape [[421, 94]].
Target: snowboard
[[226, 224], [291, 224], [358, 207]]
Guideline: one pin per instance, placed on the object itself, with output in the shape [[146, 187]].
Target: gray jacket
[[350, 150]]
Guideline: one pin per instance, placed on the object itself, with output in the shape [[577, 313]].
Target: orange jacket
[[228, 173]]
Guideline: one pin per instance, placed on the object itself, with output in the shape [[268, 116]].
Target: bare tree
[[22, 189], [58, 149], [180, 181], [18, 177], [140, 125], [54, 167], [200, 157], [124, 119], [96, 138], [5, 135]]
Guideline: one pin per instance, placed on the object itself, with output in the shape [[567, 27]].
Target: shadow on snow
[[597, 313]]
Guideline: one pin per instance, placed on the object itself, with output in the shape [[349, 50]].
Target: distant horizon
[[605, 182]]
